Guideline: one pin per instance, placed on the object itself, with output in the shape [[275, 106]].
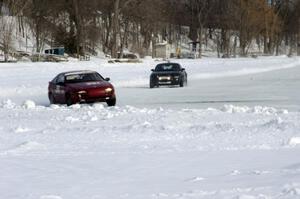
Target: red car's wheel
[[111, 102], [69, 100], [52, 99]]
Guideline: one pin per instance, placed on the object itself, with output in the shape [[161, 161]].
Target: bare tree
[[6, 29], [8, 23]]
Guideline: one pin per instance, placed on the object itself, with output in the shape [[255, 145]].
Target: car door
[[59, 91]]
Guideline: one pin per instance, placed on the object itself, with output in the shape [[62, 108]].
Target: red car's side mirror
[[107, 79]]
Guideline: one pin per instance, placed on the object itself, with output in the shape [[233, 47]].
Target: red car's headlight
[[82, 92], [108, 90]]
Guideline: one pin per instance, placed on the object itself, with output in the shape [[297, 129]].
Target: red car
[[81, 87]]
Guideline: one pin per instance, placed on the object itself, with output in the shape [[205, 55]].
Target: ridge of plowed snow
[[141, 129]]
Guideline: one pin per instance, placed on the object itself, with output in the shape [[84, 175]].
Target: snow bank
[[292, 190], [50, 197], [247, 197], [294, 141], [7, 104], [227, 128], [256, 109], [28, 104], [228, 108], [21, 130]]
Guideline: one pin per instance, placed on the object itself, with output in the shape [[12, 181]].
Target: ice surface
[[232, 133]]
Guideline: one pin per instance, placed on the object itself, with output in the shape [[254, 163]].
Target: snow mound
[[50, 197], [196, 179], [98, 106], [72, 119], [28, 104], [21, 130], [235, 172], [292, 190], [228, 108], [54, 106], [246, 197], [276, 122], [294, 141], [75, 106], [8, 104], [256, 172]]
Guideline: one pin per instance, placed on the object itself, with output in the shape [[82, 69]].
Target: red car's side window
[[60, 79]]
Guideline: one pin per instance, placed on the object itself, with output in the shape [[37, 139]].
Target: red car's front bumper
[[93, 95]]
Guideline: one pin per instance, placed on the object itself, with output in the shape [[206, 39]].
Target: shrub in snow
[[28, 104]]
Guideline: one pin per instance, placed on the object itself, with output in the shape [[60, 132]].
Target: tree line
[[85, 26]]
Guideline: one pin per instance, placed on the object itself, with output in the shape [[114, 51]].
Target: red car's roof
[[79, 72]]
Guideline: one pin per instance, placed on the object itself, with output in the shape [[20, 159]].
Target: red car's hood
[[89, 85]]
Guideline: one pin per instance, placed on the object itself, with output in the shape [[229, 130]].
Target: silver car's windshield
[[167, 67]]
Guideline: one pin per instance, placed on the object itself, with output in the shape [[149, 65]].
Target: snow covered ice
[[234, 132]]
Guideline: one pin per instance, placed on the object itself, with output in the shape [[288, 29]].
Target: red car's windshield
[[85, 77]]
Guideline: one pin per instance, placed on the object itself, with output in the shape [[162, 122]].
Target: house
[[162, 50]]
